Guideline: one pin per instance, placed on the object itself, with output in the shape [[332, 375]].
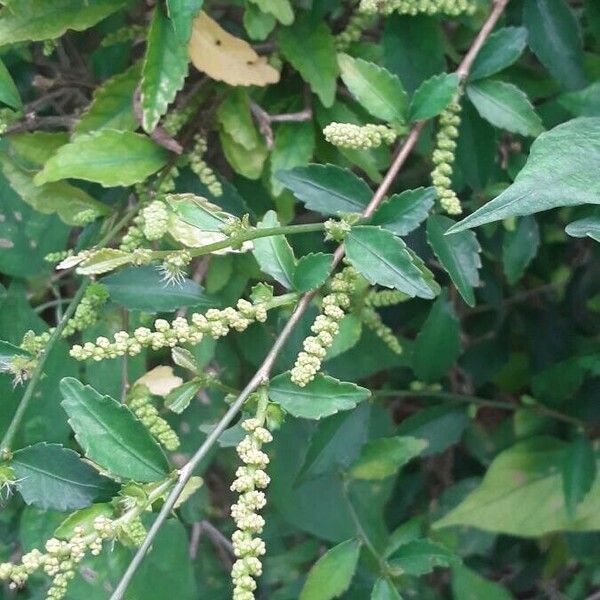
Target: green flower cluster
[[415, 7], [198, 165], [133, 532], [443, 158], [357, 23], [139, 401], [215, 323], [155, 218], [174, 265], [250, 480], [371, 318], [124, 34], [7, 118], [359, 137], [86, 313], [85, 217], [60, 558], [379, 298], [325, 327]]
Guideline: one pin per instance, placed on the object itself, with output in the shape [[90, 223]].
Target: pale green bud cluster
[[378, 298], [7, 118], [55, 257], [132, 532], [84, 217], [357, 23], [174, 265], [124, 34], [60, 559], [443, 158], [325, 327], [140, 403], [48, 47], [215, 323], [86, 313], [250, 480], [20, 367], [415, 7], [155, 220], [371, 318], [199, 167], [337, 230], [359, 137]]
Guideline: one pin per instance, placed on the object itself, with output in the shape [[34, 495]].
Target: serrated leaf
[[129, 287], [225, 57], [500, 50], [107, 157], [59, 197], [375, 88], [505, 106], [433, 96], [437, 346], [519, 248], [468, 585], [420, 557], [459, 255], [52, 477], [555, 38], [9, 94], [331, 575], [101, 261], [578, 472], [37, 20], [322, 397], [164, 70], [384, 590], [327, 189], [562, 170], [110, 434], [235, 118], [405, 211], [182, 14], [281, 9], [383, 457], [309, 46], [589, 226], [384, 259], [274, 253], [312, 270], [521, 494], [248, 163], [179, 398], [112, 105]]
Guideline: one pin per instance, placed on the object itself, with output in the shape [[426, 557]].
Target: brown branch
[[264, 119], [32, 122]]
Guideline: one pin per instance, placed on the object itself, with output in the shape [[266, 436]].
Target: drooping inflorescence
[[357, 23], [371, 318], [155, 220], [359, 137], [250, 480], [325, 327], [199, 166], [415, 7], [379, 298], [444, 155]]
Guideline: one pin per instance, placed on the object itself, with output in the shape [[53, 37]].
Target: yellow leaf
[[160, 380], [226, 58]]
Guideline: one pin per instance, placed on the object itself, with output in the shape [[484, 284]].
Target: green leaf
[[33, 149], [164, 70], [331, 575], [590, 227], [441, 426], [281, 9], [375, 88], [405, 211], [129, 287], [60, 197], [104, 261], [555, 38], [8, 350], [437, 346], [384, 259], [420, 557], [500, 50], [37, 20], [107, 157], [52, 477], [433, 96], [468, 585], [312, 271], [327, 189], [258, 24], [110, 434], [322, 397], [384, 590], [179, 399], [182, 14], [520, 248], [578, 472], [235, 118], [459, 255], [9, 94], [384, 457], [85, 518], [309, 47], [248, 163], [521, 494], [584, 102], [274, 254], [505, 106], [562, 170], [112, 105]]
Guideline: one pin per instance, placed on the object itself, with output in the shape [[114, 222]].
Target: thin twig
[[32, 122], [262, 374], [265, 119]]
